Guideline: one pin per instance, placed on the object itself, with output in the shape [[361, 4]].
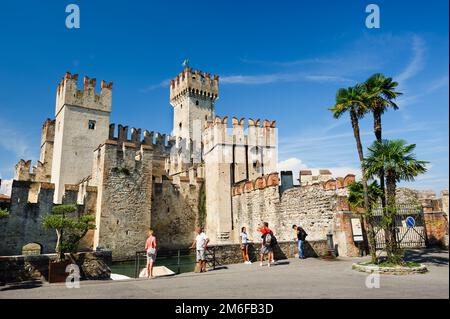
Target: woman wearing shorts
[[244, 241], [150, 248]]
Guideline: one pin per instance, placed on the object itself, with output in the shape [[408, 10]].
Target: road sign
[[410, 222]]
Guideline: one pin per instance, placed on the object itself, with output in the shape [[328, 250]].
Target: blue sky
[[280, 60]]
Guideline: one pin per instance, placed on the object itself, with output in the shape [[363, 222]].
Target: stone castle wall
[[175, 213], [312, 207], [122, 173], [24, 225]]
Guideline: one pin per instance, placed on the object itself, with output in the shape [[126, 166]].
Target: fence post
[[136, 265], [178, 262], [214, 257]]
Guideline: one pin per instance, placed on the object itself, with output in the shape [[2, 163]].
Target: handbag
[[151, 251]]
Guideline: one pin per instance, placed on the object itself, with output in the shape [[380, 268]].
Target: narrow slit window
[[91, 125]]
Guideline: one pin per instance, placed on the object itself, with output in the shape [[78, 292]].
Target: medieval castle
[[204, 173]]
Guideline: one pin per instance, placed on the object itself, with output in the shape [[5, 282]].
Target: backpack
[[303, 234], [274, 240], [268, 239]]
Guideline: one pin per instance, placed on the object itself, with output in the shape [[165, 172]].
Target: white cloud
[[295, 165], [282, 77], [416, 63], [151, 87], [14, 141]]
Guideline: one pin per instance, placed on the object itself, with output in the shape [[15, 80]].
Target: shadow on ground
[[435, 256], [24, 285]]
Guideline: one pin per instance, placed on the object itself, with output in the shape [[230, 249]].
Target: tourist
[[268, 242], [150, 248], [200, 243], [300, 237], [244, 242]]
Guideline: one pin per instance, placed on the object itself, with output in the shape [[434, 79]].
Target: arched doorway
[[32, 249]]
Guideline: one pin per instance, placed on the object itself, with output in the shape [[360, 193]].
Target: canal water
[[127, 268]]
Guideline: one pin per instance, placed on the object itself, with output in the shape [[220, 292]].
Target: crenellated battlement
[[194, 82], [255, 134], [247, 186], [68, 93], [25, 172], [150, 139], [325, 180]]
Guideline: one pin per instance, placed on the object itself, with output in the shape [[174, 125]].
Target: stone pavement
[[292, 278]]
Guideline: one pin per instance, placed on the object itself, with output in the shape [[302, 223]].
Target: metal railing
[[176, 259]]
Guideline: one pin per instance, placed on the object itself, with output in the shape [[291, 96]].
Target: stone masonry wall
[[231, 253], [93, 266], [311, 207], [124, 176], [24, 225], [174, 213]]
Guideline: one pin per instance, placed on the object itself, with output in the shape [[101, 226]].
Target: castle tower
[[192, 95], [81, 124], [233, 155], [47, 140]]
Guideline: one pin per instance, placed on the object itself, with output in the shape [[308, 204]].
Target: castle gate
[[409, 226]]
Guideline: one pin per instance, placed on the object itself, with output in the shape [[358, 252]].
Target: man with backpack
[[300, 237], [268, 242]]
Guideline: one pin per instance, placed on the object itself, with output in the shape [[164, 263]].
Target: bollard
[[330, 245]]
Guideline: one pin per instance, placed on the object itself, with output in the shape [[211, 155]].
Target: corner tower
[[192, 95], [81, 124]]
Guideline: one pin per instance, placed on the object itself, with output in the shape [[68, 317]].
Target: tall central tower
[[192, 95]]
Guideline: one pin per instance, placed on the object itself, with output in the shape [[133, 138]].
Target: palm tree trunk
[[378, 135], [391, 213], [371, 234]]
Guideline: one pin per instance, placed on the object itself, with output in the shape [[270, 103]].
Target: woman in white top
[[244, 241]]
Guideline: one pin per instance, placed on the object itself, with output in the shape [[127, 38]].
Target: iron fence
[[181, 258]]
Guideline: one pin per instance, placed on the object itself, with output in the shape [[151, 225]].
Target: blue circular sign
[[410, 221]]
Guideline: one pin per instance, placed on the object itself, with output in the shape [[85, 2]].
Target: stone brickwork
[[93, 266], [175, 213], [24, 225], [231, 253], [82, 122], [232, 155], [342, 233], [122, 172], [312, 207]]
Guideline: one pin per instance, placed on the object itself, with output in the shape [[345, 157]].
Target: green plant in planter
[[4, 213], [69, 226]]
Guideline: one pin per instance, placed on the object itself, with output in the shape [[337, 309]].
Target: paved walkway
[[293, 278]]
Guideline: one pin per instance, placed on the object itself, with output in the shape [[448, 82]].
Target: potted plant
[[70, 228]]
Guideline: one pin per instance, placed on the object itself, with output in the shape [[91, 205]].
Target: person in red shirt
[[150, 248], [266, 247]]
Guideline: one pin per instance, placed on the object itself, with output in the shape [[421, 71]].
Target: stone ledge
[[398, 270]]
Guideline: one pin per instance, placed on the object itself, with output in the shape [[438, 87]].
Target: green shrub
[[69, 229], [4, 213]]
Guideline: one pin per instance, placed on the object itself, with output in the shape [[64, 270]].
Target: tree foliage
[[4, 213], [69, 226]]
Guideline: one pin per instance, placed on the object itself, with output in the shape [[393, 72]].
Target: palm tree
[[380, 95], [352, 101], [396, 159], [356, 195]]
